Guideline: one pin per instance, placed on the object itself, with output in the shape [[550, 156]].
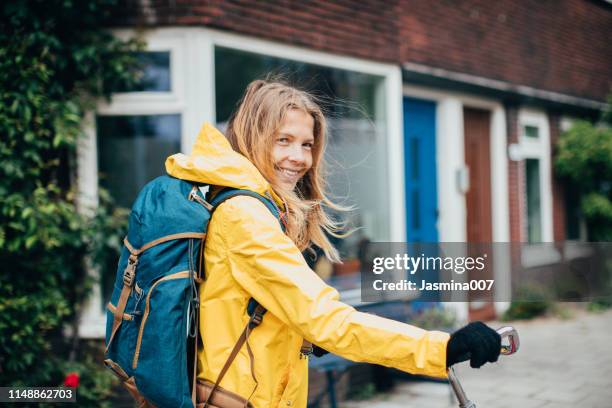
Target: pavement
[[561, 363]]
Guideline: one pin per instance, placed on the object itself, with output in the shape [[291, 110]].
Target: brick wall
[[558, 192], [365, 28], [514, 179], [545, 44], [556, 45]]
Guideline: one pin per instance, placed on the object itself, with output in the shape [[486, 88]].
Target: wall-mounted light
[[462, 176], [515, 152]]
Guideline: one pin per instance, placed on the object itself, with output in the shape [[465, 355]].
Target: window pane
[[531, 131], [534, 218], [356, 152], [343, 93], [132, 150], [155, 68]]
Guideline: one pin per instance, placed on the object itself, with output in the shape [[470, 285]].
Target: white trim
[[275, 49], [92, 320], [155, 102], [395, 148], [537, 255], [87, 167], [539, 149]]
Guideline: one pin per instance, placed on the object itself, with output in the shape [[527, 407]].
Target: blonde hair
[[251, 132]]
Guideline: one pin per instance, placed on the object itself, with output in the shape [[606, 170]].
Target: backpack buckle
[[130, 271], [256, 319]]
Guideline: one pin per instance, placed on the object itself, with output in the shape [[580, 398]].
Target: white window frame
[[193, 96], [537, 148], [93, 319]]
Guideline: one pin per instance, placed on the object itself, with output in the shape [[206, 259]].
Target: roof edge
[[439, 76]]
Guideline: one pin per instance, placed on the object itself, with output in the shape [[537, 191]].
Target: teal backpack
[[152, 317]]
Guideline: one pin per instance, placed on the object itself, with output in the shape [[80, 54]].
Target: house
[[445, 122]]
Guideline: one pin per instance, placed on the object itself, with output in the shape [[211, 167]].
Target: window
[[531, 131], [129, 140], [534, 210], [132, 151], [155, 72], [132, 144], [356, 150], [536, 214], [537, 190]]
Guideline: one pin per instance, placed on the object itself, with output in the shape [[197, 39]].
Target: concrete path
[[561, 364]]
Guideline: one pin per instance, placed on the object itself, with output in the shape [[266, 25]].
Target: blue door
[[420, 171]]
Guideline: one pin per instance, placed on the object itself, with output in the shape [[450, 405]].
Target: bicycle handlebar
[[507, 333]]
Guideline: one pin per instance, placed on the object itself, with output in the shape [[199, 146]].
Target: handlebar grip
[[509, 333]]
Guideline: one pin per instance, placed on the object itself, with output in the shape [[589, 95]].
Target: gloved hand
[[476, 342], [318, 351]]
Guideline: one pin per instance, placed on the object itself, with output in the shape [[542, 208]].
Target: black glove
[[318, 351], [476, 342]]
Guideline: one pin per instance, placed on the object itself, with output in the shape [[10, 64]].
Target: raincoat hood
[[213, 161]]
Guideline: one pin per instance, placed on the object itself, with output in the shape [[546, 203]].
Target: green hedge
[[584, 159], [56, 60]]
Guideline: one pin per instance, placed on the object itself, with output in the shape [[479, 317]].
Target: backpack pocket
[[159, 360]]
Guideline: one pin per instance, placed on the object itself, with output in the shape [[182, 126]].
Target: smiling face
[[292, 148]]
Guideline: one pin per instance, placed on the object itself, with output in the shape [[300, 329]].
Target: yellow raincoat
[[247, 255]]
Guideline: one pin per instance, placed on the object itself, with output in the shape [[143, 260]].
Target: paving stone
[[561, 364]]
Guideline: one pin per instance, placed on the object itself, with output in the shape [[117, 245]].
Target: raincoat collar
[[213, 161]]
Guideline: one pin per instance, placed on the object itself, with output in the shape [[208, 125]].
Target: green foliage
[[584, 159], [529, 302], [95, 385], [56, 58]]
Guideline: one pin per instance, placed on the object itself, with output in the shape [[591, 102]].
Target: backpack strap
[[129, 275], [254, 321], [254, 309], [227, 193]]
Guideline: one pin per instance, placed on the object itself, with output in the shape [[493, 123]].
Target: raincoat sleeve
[[267, 264]]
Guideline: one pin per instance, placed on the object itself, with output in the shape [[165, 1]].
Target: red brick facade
[[558, 200], [551, 45], [514, 179]]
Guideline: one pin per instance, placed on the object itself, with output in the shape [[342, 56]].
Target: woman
[[274, 146]]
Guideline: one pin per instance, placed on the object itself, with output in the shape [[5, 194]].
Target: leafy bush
[[529, 302], [584, 159], [56, 58]]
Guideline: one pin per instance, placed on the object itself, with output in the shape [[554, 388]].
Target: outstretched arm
[[266, 263]]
